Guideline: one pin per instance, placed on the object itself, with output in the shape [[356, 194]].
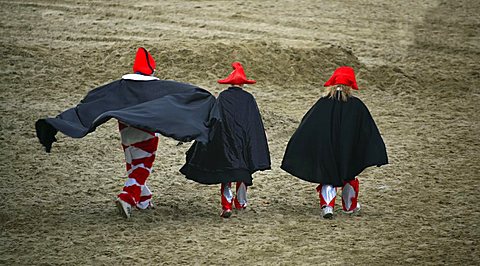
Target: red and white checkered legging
[[328, 193], [227, 198], [139, 147]]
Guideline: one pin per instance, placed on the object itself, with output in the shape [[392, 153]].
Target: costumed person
[[335, 141], [238, 144], [145, 107]]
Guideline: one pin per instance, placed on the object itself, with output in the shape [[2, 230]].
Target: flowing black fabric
[[334, 143], [173, 109], [238, 145]]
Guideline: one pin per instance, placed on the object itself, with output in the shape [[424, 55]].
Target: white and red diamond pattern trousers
[[139, 147], [328, 193]]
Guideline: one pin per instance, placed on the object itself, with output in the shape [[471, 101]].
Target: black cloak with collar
[[238, 145], [173, 109], [334, 143]]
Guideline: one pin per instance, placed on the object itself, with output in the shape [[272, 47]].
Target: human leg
[[145, 201], [240, 199], [350, 196], [327, 194], [139, 147], [227, 199]]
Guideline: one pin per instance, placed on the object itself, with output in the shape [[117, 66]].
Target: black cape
[[334, 143], [173, 109], [238, 145]]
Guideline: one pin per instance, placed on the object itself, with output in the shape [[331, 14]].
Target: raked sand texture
[[417, 65]]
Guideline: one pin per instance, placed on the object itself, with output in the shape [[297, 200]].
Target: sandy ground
[[417, 65]]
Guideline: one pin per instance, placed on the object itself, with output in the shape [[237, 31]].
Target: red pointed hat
[[237, 77], [144, 62], [343, 75]]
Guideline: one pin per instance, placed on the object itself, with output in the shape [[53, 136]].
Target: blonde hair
[[338, 92]]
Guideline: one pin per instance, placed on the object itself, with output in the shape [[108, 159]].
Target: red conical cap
[[144, 62], [237, 77], [343, 75]]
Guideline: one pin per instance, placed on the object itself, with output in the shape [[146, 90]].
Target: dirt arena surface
[[416, 61]]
